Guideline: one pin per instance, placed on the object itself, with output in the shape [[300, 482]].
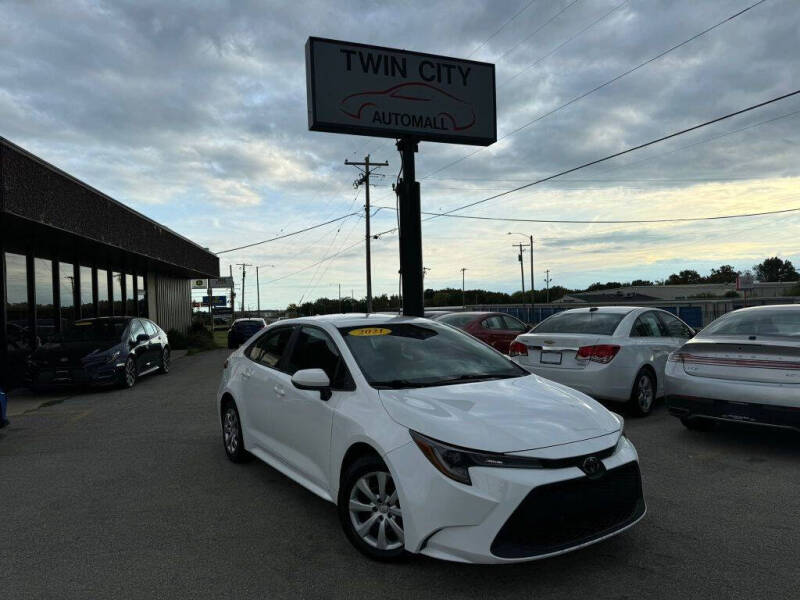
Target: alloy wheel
[[645, 392], [130, 373], [230, 430], [375, 511]]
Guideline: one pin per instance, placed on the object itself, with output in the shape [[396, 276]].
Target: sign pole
[[410, 231]]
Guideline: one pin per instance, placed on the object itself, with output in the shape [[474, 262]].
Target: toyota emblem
[[592, 466]]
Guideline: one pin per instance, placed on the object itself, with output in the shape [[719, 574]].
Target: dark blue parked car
[[242, 330], [3, 419], [104, 351]]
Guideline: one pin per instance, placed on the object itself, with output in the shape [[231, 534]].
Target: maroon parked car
[[496, 329]]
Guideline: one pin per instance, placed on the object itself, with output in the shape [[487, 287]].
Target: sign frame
[[316, 124]]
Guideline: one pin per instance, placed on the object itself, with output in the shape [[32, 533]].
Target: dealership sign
[[384, 92], [204, 284]]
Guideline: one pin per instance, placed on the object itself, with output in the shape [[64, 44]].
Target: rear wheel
[[369, 510], [643, 395], [698, 423]]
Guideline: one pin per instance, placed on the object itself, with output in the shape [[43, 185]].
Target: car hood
[[507, 415], [74, 352]]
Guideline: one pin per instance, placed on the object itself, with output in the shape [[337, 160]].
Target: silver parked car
[[743, 367], [615, 353]]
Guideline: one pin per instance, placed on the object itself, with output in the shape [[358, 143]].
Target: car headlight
[[112, 357], [454, 462], [621, 423]]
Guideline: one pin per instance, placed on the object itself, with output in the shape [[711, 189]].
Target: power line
[[615, 155], [537, 30], [286, 235], [312, 265], [596, 88], [503, 26], [605, 222]]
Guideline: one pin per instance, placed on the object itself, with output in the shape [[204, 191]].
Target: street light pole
[[463, 297]]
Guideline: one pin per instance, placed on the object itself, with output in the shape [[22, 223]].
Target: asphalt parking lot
[[128, 494]]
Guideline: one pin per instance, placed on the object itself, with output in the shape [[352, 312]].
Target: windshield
[[94, 331], [456, 320], [764, 323], [249, 325], [597, 323], [409, 355]]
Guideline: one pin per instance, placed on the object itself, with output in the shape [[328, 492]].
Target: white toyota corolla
[[428, 440]]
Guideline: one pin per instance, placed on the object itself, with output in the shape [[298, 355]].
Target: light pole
[[258, 288], [463, 298]]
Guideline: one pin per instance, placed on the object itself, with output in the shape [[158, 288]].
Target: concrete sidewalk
[[23, 400]]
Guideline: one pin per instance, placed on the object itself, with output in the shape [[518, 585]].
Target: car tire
[[643, 394], [698, 423], [129, 374], [166, 360], [232, 439], [369, 510]]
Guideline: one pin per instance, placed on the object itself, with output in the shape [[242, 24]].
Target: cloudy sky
[[194, 113]]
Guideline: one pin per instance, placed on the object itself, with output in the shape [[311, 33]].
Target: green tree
[[687, 276], [641, 282], [775, 269], [725, 274]]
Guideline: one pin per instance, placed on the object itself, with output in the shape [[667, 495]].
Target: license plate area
[[550, 358]]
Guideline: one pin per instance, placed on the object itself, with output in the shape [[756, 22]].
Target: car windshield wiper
[[480, 377]]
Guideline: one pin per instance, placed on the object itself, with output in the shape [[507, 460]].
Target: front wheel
[[232, 434], [129, 374], [163, 368], [369, 510], [643, 395]]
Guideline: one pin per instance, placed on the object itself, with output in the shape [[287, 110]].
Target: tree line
[[771, 269]]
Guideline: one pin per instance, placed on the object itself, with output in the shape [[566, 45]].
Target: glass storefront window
[[103, 305], [130, 301], [18, 334], [141, 298], [66, 290], [116, 290], [87, 298], [45, 313]]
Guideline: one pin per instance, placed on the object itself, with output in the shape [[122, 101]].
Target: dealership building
[[70, 252]]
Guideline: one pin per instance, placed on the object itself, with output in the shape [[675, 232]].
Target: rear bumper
[[606, 382], [739, 412]]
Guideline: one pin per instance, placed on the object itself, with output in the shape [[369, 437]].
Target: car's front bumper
[[480, 523], [95, 375]]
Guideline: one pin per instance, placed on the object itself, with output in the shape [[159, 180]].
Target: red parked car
[[496, 329]]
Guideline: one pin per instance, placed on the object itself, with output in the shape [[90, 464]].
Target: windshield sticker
[[369, 331]]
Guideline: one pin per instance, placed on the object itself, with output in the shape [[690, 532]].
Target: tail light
[[599, 353], [677, 356], [517, 349]]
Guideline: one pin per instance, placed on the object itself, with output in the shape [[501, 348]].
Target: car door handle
[[278, 389], [247, 373]]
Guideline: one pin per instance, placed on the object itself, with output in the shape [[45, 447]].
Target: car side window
[[513, 324], [314, 349], [136, 329], [149, 328], [674, 326], [270, 347], [494, 322], [647, 325]]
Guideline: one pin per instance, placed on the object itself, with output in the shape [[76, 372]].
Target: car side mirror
[[313, 379], [142, 337]]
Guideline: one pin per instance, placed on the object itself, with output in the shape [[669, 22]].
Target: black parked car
[[104, 351], [242, 330]]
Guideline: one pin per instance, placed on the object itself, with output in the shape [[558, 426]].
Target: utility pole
[[365, 173], [547, 281], [258, 294], [533, 284], [521, 268], [463, 297], [340, 298], [233, 294], [244, 274]]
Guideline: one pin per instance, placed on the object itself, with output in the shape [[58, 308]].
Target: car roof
[[768, 307], [623, 310], [354, 319]]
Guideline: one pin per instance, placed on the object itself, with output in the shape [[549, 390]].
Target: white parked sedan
[[743, 367], [613, 353], [428, 440]]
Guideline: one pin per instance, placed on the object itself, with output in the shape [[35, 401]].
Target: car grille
[[560, 515]]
